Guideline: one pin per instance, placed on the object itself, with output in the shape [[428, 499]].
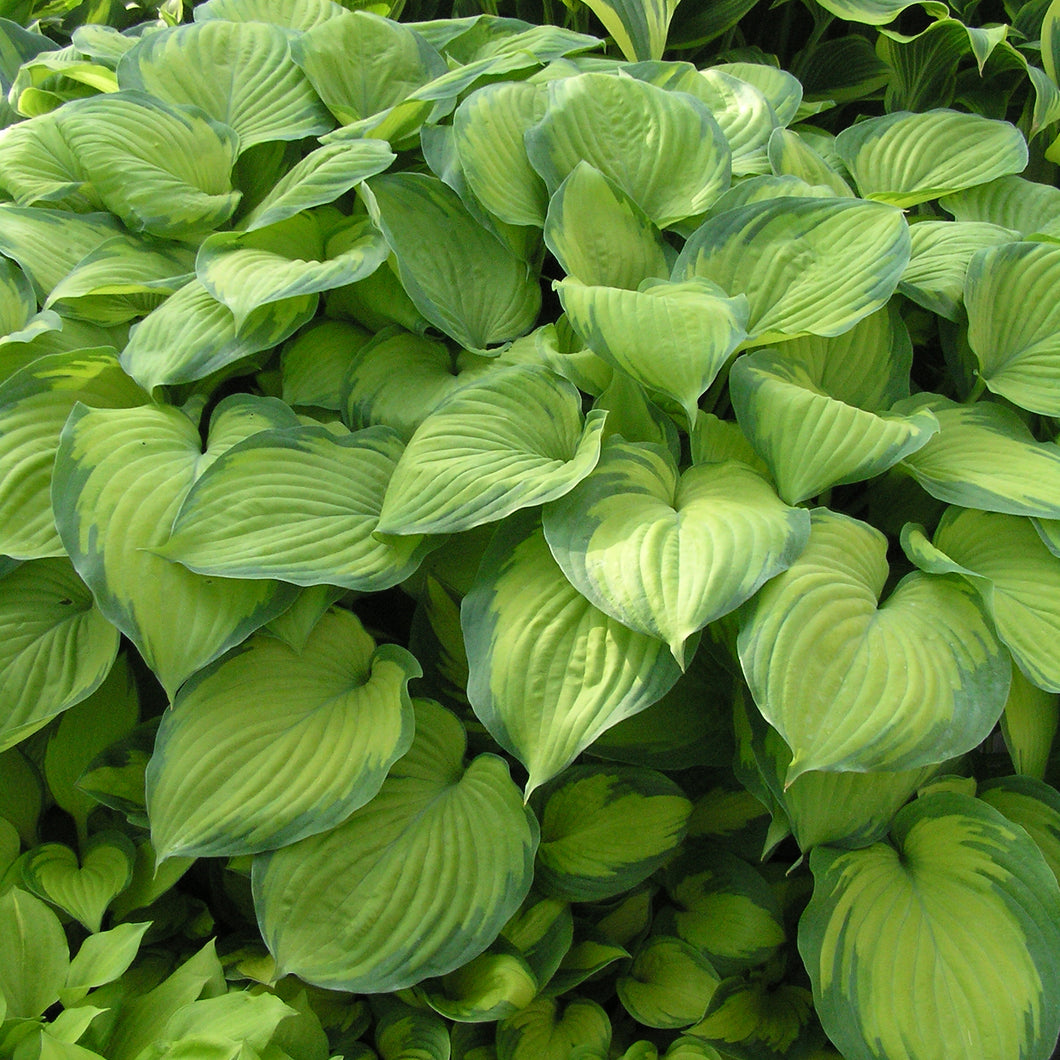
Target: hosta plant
[[518, 543]]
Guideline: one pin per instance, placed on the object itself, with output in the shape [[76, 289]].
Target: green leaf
[[1013, 323], [1021, 205], [600, 236], [655, 549], [315, 363], [1018, 578], [319, 178], [248, 270], [489, 987], [548, 671], [461, 278], [101, 959], [984, 456], [1034, 806], [821, 657], [905, 158], [673, 338], [605, 829], [782, 90], [403, 1031], [361, 64], [269, 745], [638, 27], [34, 959], [51, 871], [809, 439], [669, 984], [239, 73], [300, 505], [182, 191], [121, 476], [605, 120], [56, 647], [34, 405], [296, 14], [191, 335], [414, 884], [515, 439], [790, 154], [21, 794], [906, 940], [1029, 725], [807, 266], [880, 12], [37, 166], [545, 1031]]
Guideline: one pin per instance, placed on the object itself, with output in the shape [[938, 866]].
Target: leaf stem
[[976, 392]]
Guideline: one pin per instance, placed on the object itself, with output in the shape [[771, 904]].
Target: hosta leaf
[[21, 794], [34, 958], [984, 456], [240, 73], [121, 476], [85, 889], [1022, 205], [399, 379], [1034, 806], [669, 984], [1029, 725], [102, 958], [638, 27], [551, 1030], [320, 178], [1014, 324], [491, 986], [879, 12], [292, 258], [316, 360], [34, 405], [192, 335], [55, 645], [656, 549], [1018, 578], [37, 165], [404, 1031], [807, 266], [604, 829], [851, 684], [605, 120], [488, 132], [461, 278], [789, 154], [941, 251], [904, 158], [782, 90], [414, 884], [600, 236], [548, 671], [181, 191], [741, 109], [513, 440], [299, 505], [673, 338], [810, 440], [361, 64], [269, 745], [906, 941], [298, 14]]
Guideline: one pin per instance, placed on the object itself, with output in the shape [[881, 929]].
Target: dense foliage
[[529, 535]]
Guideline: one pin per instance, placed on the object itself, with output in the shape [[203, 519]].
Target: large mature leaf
[[984, 456], [161, 169], [807, 266], [600, 236], [852, 684], [673, 338], [656, 549], [361, 64], [240, 73], [741, 109], [1021, 205], [192, 335], [414, 884], [120, 478], [37, 165], [1014, 322], [809, 439], [300, 505], [460, 276], [904, 158], [638, 26], [55, 646], [605, 120], [512, 440], [605, 829], [907, 941], [291, 258], [269, 745], [34, 405], [782, 90], [548, 671], [1018, 578]]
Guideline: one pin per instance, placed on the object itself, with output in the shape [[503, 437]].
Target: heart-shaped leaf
[[270, 745], [546, 1031], [655, 549], [820, 655], [444, 851], [85, 889], [669, 984]]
